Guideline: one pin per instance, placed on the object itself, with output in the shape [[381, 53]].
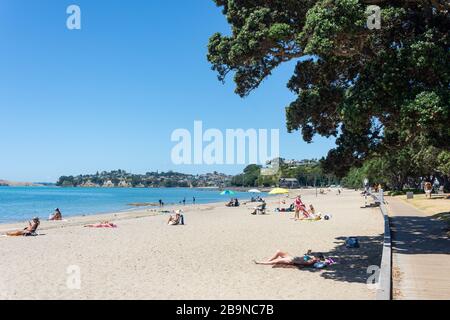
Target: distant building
[[273, 167], [108, 184], [290, 183]]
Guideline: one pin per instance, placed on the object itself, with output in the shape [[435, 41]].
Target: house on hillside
[[290, 183]]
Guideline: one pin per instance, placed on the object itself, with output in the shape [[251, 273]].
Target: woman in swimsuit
[[103, 224], [28, 231], [284, 258], [177, 219], [56, 216]]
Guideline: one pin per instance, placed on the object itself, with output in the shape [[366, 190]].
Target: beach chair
[[262, 209]]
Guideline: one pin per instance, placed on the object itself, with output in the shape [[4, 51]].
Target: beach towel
[[102, 225]]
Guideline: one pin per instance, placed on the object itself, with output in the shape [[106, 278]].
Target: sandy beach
[[208, 258]]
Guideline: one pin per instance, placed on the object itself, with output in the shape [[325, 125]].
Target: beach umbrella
[[279, 191], [227, 192], [254, 191]]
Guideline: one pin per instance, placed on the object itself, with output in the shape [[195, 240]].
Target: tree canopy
[[377, 91]]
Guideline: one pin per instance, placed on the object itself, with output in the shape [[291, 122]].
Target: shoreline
[[129, 214], [210, 257], [75, 220], [126, 206]]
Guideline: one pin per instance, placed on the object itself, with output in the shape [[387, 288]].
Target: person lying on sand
[[28, 231], [176, 219], [103, 224], [56, 216], [290, 209], [308, 260], [284, 258]]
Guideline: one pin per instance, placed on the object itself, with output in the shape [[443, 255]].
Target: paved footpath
[[421, 254]]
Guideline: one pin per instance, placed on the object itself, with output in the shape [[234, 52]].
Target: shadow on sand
[[410, 235], [352, 263]]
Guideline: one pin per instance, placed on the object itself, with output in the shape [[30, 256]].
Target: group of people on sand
[[300, 207], [256, 199], [33, 225], [233, 203]]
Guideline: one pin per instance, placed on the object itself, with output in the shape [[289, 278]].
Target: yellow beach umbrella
[[279, 191]]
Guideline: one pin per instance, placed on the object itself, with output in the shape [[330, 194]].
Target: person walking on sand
[[428, 188]]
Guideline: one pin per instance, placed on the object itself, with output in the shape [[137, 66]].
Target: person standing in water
[[193, 200]]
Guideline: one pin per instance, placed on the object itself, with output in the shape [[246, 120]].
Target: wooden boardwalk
[[421, 254]]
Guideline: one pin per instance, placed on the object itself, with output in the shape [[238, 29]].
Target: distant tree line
[[310, 174], [120, 178]]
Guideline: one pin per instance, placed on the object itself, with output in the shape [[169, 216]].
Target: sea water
[[23, 203]]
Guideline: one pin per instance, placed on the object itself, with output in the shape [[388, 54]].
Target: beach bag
[[319, 265], [352, 242]]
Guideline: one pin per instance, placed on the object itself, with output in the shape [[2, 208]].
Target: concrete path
[[421, 254]]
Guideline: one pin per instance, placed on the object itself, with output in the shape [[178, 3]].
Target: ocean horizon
[[22, 203]]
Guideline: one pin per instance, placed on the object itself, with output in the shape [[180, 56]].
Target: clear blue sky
[[109, 96]]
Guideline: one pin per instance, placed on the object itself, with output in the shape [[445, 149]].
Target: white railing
[[384, 291]]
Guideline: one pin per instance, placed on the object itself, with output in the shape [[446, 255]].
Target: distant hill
[[18, 184], [123, 179]]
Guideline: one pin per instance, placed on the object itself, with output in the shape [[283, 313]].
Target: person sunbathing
[[260, 209], [290, 209], [177, 219], [56, 216], [284, 258], [103, 224], [28, 231]]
